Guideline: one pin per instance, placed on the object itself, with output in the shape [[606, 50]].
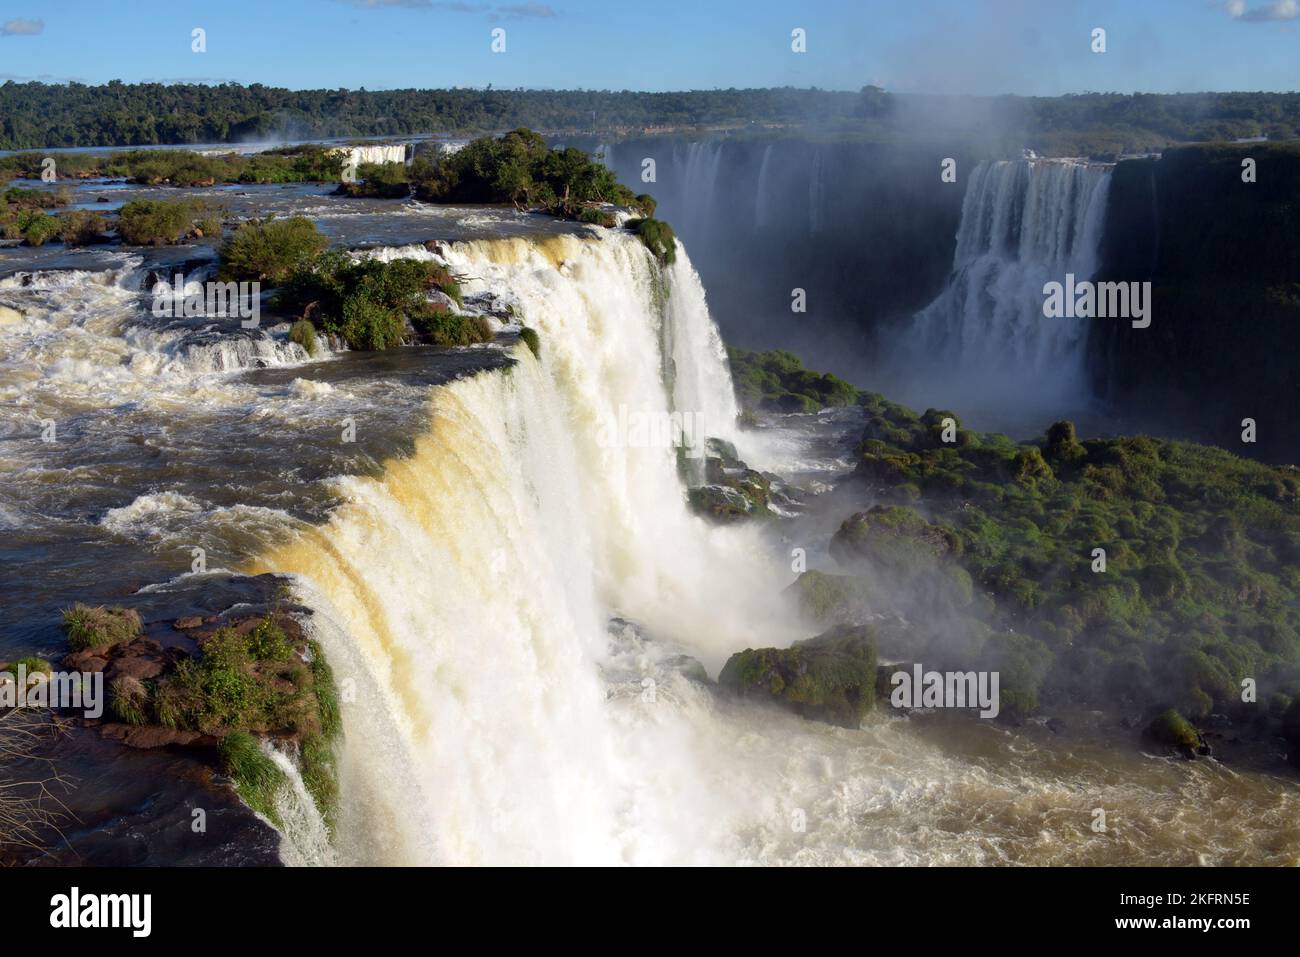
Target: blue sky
[[976, 46]]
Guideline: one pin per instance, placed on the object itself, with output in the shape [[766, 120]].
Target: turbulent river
[[465, 556]]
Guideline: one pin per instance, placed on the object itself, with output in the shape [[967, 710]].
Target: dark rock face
[[829, 678], [1222, 259], [862, 226]]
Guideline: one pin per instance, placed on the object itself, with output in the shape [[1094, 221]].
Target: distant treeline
[[40, 115]]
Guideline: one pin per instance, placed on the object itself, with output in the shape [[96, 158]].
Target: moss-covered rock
[[721, 503], [893, 539], [829, 678], [1169, 729], [827, 599]]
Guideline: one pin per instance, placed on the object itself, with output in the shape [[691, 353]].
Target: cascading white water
[[80, 331], [985, 339], [305, 839], [475, 579]]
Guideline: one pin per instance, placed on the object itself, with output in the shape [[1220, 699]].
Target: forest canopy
[[40, 115]]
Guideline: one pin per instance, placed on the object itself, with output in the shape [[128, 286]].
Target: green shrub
[[99, 626], [40, 228], [268, 642], [368, 324], [270, 249], [450, 329], [81, 227], [128, 699], [149, 222], [597, 217], [520, 169], [259, 780], [368, 303], [657, 237], [531, 339], [304, 334], [379, 181]]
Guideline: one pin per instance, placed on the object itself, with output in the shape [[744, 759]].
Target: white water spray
[[475, 578], [985, 340]]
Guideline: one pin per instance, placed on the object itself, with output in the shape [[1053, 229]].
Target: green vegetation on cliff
[[1000, 544], [658, 238], [253, 678], [776, 381], [290, 164]]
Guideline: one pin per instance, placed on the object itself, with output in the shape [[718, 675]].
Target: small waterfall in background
[[984, 346], [378, 153]]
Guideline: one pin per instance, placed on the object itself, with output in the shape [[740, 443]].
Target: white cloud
[[22, 27], [1276, 10]]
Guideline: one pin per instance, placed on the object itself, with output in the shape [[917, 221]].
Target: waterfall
[[471, 584], [304, 838], [984, 342], [376, 153]]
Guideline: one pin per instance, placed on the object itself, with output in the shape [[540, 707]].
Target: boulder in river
[[829, 678], [1171, 730]]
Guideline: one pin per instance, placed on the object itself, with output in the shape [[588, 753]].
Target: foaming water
[[82, 339]]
